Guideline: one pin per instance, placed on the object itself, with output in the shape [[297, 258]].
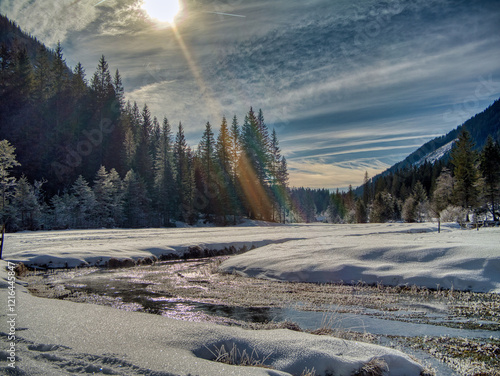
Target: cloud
[[50, 21], [324, 175], [345, 84]]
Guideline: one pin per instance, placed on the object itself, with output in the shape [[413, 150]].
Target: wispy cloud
[[50, 21], [347, 85]]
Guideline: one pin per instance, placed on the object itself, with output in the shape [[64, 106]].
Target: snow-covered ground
[[57, 337], [61, 337], [391, 254]]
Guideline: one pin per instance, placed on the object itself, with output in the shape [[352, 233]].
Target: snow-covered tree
[[442, 195], [7, 183], [84, 203], [26, 210], [109, 196]]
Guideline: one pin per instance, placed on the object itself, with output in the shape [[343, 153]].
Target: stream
[[190, 291]]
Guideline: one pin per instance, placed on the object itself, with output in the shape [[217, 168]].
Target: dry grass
[[375, 367], [308, 372], [236, 357]]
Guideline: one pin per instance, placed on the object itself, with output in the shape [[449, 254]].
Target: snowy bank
[[56, 337], [71, 248], [391, 254]]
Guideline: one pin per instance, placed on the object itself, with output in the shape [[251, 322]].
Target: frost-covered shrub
[[453, 214]]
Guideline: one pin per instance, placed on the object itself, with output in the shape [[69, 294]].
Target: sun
[[162, 10]]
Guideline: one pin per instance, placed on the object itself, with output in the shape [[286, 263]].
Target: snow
[[94, 247], [390, 254], [59, 337], [56, 337], [436, 154]]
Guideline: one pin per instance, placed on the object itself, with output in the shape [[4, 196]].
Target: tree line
[[466, 184], [83, 157]]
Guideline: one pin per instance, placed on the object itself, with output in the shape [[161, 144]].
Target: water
[[136, 290]]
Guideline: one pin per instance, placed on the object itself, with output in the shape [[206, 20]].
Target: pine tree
[[206, 150], [253, 162], [382, 209], [102, 83], [59, 70], [366, 190], [185, 184], [143, 160], [108, 196], [274, 165], [135, 201], [22, 79], [282, 181], [84, 203], [224, 171], [42, 75], [119, 91], [78, 81], [166, 197], [489, 167], [63, 208], [234, 157], [463, 158], [7, 184], [26, 207]]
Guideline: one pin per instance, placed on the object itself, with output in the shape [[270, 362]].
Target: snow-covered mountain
[[437, 154], [480, 127]]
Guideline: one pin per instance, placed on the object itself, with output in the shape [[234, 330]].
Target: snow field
[[60, 337], [390, 254]]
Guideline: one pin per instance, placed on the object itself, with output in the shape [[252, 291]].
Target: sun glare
[[162, 10]]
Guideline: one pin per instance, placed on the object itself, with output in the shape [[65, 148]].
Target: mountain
[[480, 127]]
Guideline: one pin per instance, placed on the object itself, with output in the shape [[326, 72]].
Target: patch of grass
[[331, 324], [469, 357], [308, 372], [236, 357], [375, 367]]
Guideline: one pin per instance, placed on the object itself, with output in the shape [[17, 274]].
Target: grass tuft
[[375, 367], [236, 357]]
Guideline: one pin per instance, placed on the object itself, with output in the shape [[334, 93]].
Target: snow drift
[[390, 254]]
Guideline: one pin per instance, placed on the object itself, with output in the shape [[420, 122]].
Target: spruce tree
[[42, 76], [489, 167], [463, 159], [143, 159], [184, 176], [119, 91], [26, 207], [84, 203], [136, 202], [224, 173], [78, 81], [235, 151], [165, 192]]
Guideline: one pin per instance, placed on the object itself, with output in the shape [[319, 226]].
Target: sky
[[350, 86]]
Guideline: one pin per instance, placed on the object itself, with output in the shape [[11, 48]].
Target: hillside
[[480, 126]]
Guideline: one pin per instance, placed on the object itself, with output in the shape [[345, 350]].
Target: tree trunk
[[1, 244]]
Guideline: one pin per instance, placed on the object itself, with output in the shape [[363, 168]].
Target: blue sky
[[349, 86]]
